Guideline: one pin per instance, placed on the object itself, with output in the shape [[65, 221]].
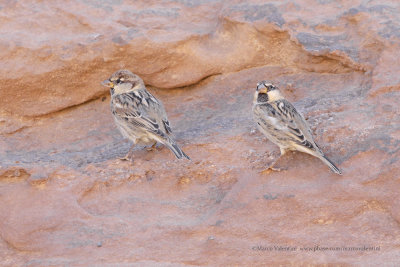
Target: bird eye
[[118, 80]]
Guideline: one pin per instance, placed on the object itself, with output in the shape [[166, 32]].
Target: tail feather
[[331, 165], [176, 149], [186, 156]]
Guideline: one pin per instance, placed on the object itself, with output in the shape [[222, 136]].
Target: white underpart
[[125, 130], [307, 150]]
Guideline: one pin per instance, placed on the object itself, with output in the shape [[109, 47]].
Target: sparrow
[[139, 116], [282, 124]]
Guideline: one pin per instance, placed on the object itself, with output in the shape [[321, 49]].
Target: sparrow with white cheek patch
[[280, 122], [139, 116]]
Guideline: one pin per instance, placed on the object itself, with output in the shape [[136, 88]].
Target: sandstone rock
[[65, 198]]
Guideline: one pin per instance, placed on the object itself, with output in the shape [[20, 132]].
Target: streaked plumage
[[281, 123], [139, 116]]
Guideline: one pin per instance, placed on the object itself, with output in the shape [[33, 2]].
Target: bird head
[[266, 92], [123, 81], [265, 87]]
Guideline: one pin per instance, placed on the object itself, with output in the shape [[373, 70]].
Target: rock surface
[[66, 200]]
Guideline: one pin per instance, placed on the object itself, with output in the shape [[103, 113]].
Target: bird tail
[[331, 165], [176, 149]]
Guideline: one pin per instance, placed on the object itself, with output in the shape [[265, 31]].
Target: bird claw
[[152, 148], [126, 158], [129, 155], [277, 169], [273, 169]]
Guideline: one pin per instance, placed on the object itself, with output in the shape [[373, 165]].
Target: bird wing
[[157, 111], [140, 111], [167, 126], [290, 122]]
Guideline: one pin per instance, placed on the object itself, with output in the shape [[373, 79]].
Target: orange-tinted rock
[[66, 199]]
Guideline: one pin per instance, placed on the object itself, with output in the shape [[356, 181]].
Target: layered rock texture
[[66, 199]]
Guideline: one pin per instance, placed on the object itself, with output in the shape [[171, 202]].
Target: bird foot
[[129, 155], [126, 158], [273, 169], [152, 148]]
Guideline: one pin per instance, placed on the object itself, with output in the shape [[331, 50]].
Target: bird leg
[[272, 168], [153, 146], [128, 155]]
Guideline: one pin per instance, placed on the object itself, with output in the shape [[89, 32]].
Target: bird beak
[[107, 83], [261, 88]]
